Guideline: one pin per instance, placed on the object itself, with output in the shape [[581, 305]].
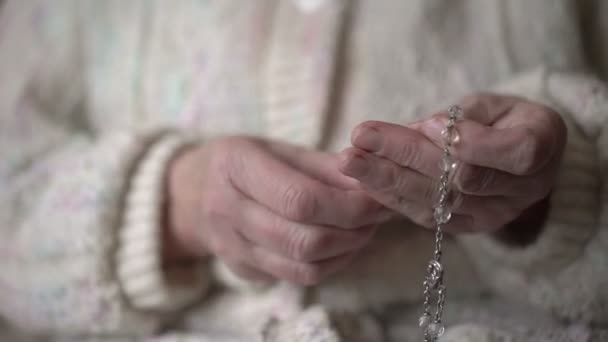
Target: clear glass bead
[[455, 112], [424, 321], [442, 215], [435, 329], [450, 135], [447, 164]]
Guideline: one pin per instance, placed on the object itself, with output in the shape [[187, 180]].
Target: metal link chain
[[434, 288]]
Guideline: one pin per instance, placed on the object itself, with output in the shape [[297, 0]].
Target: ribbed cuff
[[147, 284]]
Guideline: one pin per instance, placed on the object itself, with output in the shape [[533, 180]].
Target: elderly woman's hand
[[509, 151], [268, 209]]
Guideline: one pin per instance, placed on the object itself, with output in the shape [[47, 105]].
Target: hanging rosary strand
[[431, 322]]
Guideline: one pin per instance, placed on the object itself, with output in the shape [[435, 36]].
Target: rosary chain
[[434, 288]]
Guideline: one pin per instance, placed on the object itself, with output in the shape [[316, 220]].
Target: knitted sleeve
[[564, 270], [79, 209]]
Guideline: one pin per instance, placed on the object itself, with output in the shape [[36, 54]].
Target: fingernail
[[356, 166], [368, 138]]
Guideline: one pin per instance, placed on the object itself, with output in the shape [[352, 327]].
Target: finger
[[298, 241], [491, 213], [405, 191], [424, 217], [482, 181], [297, 272], [322, 166], [519, 150], [405, 146], [383, 176], [503, 111], [486, 108], [470, 179], [298, 197], [483, 107]]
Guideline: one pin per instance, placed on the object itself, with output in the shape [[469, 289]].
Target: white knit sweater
[[95, 98]]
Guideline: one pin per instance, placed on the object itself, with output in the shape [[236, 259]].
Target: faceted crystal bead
[[447, 164], [442, 215], [435, 329], [424, 321], [450, 136], [455, 112]]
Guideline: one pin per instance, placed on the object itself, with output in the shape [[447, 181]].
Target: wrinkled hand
[[269, 209], [509, 152]]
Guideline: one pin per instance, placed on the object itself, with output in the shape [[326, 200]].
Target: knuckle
[[297, 245], [408, 153], [400, 203], [474, 179], [392, 180], [276, 231], [299, 204], [306, 246], [530, 152]]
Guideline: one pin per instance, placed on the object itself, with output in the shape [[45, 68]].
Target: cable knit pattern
[[86, 85]]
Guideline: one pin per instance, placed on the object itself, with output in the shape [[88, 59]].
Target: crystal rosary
[[431, 322]]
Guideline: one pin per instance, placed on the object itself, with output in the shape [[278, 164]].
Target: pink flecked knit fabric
[[96, 96]]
